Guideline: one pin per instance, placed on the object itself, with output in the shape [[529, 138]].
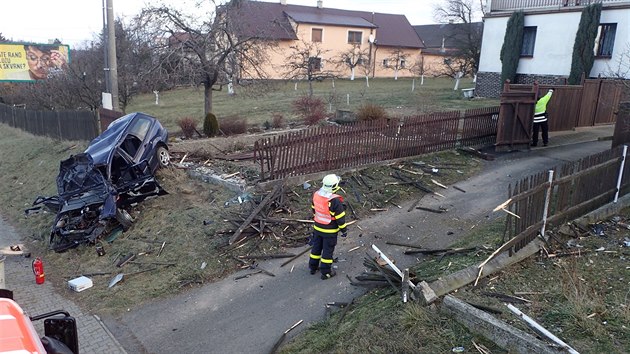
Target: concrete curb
[[117, 343], [605, 211]]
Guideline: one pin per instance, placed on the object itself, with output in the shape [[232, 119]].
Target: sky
[[76, 22]]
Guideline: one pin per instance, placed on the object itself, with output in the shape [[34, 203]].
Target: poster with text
[[32, 62]]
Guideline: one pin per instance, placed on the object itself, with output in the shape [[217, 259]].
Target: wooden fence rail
[[333, 147], [61, 125], [576, 188]]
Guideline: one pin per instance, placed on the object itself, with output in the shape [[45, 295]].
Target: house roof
[[324, 19], [271, 20], [451, 33]]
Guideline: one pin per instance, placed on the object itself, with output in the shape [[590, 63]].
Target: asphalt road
[[249, 315]]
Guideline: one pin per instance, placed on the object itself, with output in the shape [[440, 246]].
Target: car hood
[[77, 175]]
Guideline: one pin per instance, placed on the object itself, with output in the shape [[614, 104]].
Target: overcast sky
[[77, 21]]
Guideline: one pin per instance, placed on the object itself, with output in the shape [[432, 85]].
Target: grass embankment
[[584, 300], [192, 219], [258, 104]]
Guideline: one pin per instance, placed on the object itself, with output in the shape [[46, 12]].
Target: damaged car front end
[[97, 187]]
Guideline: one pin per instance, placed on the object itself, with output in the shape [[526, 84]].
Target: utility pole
[[111, 54], [108, 87]]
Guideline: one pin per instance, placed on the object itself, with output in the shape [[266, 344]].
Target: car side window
[[140, 128]]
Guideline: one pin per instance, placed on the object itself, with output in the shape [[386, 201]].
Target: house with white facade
[[548, 38]]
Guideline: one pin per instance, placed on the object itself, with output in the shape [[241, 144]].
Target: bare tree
[[466, 34], [208, 47], [420, 67], [352, 58], [306, 61], [366, 70], [620, 69], [397, 61]]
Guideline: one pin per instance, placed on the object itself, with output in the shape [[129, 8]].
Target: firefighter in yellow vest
[[540, 119], [329, 216]]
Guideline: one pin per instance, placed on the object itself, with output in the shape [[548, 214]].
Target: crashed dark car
[[116, 171]]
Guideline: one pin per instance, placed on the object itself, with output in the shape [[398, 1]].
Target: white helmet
[[330, 183]]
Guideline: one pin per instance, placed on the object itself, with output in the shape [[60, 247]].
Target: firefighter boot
[[329, 275]]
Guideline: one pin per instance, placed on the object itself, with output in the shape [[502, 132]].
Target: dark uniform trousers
[[322, 251]]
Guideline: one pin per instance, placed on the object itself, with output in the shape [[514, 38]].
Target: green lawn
[[257, 103]]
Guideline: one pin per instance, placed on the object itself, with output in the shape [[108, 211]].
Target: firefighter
[[540, 119], [329, 216]]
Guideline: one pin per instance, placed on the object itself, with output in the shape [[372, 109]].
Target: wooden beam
[[257, 210], [497, 331]]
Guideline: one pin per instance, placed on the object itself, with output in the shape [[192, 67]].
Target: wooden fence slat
[[329, 148]]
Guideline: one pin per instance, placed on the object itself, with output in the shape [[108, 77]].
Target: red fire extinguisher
[[38, 270]]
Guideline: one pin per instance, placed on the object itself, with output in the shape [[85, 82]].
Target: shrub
[[266, 125], [511, 49], [314, 118], [308, 105], [277, 121], [233, 125], [371, 111], [188, 126], [210, 125]]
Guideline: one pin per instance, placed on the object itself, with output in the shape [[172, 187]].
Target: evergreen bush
[[211, 125], [583, 55], [512, 45]]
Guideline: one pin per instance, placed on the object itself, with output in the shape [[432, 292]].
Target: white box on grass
[[79, 284]]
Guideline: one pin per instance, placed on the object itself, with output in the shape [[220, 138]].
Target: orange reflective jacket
[[321, 201]]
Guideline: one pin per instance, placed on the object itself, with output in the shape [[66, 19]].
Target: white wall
[[554, 43], [622, 44]]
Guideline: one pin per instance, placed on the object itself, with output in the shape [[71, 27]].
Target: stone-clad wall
[[489, 83]]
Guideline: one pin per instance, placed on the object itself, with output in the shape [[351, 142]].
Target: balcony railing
[[507, 5]]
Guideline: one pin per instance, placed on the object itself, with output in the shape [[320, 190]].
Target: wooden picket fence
[[334, 147], [552, 197]]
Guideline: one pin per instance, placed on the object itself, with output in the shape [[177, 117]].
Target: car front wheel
[[163, 157]]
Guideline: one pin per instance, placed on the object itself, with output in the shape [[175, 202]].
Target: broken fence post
[[546, 208], [405, 286], [623, 163], [499, 332], [540, 329], [393, 266]]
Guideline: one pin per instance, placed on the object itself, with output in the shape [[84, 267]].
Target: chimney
[[320, 4], [283, 2]]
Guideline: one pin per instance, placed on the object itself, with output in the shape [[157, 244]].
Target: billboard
[[31, 62]]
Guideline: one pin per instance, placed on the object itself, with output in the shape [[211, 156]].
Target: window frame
[[528, 30], [603, 39], [321, 34], [352, 37], [318, 64]]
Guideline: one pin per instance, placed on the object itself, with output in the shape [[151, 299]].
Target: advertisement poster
[[32, 62]]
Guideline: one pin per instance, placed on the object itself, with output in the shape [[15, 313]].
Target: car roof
[[102, 147]]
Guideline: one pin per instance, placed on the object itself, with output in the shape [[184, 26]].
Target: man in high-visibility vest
[[329, 217], [540, 119]]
